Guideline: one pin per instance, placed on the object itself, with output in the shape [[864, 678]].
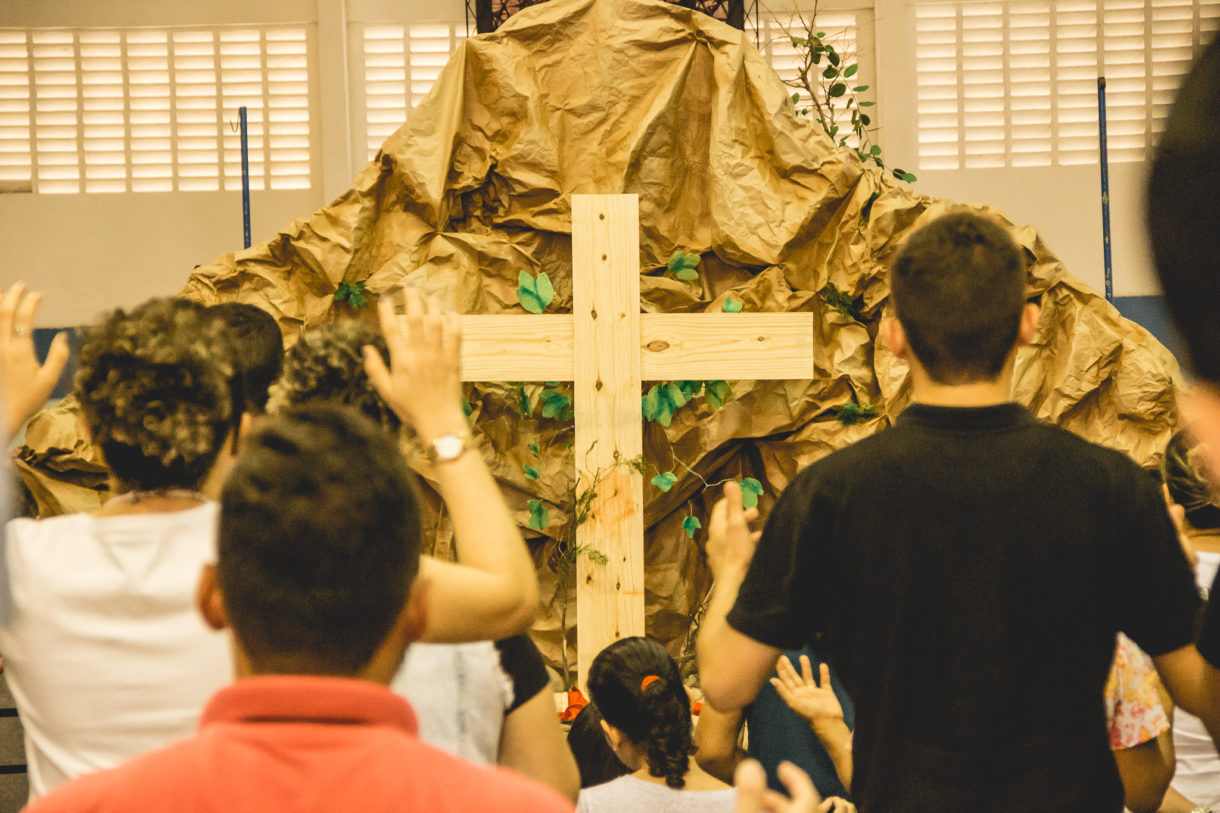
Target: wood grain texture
[[709, 346], [609, 424], [505, 347]]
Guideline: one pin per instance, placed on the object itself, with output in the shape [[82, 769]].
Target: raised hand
[[25, 385], [730, 543], [815, 702], [754, 797], [422, 383]]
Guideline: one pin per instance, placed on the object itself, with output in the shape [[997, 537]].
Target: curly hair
[[654, 715], [326, 365], [159, 390], [1184, 476]]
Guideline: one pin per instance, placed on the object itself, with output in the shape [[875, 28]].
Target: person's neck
[[990, 392], [1206, 540], [160, 501]]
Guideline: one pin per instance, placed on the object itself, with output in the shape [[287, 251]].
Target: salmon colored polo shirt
[[293, 743]]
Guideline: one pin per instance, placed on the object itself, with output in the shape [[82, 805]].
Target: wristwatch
[[447, 447]]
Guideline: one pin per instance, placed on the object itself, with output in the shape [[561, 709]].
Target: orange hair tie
[[648, 681]]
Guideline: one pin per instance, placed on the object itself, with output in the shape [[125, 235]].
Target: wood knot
[[598, 385], [603, 258], [657, 345], [593, 313], [601, 216]]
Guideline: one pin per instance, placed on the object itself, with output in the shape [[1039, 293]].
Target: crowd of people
[[971, 610]]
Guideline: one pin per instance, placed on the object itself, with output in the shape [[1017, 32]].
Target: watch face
[[448, 447]]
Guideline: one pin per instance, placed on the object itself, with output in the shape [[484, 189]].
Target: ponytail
[[638, 689]]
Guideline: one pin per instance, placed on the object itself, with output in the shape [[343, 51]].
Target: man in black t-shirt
[[1184, 225], [965, 571]]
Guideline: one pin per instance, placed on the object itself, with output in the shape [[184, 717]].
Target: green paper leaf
[[855, 413], [352, 293], [717, 393], [651, 404], [731, 305], [850, 71], [531, 472], [676, 395], [525, 404], [683, 264], [751, 490], [690, 388], [664, 481], [533, 447], [534, 293], [556, 404], [540, 517], [690, 525]]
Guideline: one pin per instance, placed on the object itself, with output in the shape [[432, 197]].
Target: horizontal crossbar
[[674, 346]]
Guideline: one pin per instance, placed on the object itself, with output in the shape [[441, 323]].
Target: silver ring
[[21, 332]]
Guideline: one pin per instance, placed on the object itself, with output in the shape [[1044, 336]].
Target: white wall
[[1062, 202], [93, 252]]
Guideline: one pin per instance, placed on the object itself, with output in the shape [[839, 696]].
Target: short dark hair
[[654, 713], [959, 289], [1183, 218], [160, 392], [327, 364], [319, 541], [259, 346]]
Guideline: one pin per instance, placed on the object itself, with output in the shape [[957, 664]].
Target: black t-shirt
[[522, 662], [966, 572]]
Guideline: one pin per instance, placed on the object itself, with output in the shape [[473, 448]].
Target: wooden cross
[[607, 348]]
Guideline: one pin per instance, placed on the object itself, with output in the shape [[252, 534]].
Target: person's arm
[[25, 385], [717, 735], [493, 591], [1194, 685], [533, 745], [820, 707], [754, 797], [1146, 771], [732, 665], [1175, 802]]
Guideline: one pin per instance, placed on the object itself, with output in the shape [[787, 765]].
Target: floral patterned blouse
[[1133, 707]]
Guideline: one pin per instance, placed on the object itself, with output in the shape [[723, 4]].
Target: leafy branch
[[353, 293], [830, 81]]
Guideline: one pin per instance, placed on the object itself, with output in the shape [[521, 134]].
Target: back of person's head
[[327, 364], [1184, 475], [595, 759], [259, 346], [638, 689], [160, 393], [959, 290], [319, 542], [1183, 219]]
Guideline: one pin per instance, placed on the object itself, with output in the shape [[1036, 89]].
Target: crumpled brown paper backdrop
[[609, 96]]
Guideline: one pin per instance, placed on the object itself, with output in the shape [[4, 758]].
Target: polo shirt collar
[[309, 699]]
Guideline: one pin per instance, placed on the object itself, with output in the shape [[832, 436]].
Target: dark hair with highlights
[[259, 346], [1183, 473], [327, 364], [160, 392], [319, 541], [959, 289], [656, 718]]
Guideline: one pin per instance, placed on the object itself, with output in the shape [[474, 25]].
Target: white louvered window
[[401, 63], [1015, 83], [145, 110], [775, 33]]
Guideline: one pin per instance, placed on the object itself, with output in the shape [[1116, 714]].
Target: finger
[[807, 671], [824, 671], [377, 372], [719, 513], [751, 783], [434, 329], [800, 786], [415, 315], [734, 513], [452, 333], [783, 668], [23, 318], [8, 306], [751, 514], [755, 536]]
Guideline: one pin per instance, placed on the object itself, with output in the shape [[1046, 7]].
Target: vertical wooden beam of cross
[[607, 348]]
